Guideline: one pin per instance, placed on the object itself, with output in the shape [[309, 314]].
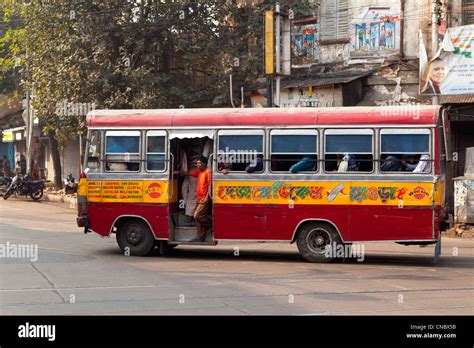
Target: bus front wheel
[[135, 238], [316, 240]]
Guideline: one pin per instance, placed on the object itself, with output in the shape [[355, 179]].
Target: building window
[[334, 19], [294, 151], [467, 12]]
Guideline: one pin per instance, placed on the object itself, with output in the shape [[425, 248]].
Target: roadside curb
[[71, 201]]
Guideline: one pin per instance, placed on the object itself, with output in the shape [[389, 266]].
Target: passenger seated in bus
[[223, 168], [348, 163], [391, 164], [255, 165], [133, 166], [424, 165], [306, 164], [117, 167]]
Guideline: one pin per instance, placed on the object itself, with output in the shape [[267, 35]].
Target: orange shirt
[[204, 181]]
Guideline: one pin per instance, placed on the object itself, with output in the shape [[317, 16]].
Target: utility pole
[[277, 55], [434, 39], [29, 131], [269, 63]]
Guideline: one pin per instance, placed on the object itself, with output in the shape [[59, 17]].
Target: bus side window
[[405, 150], [155, 151], [122, 151], [93, 152], [294, 151], [348, 150], [238, 152]]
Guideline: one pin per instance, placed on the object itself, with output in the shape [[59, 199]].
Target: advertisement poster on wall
[[376, 31], [305, 41], [451, 70]]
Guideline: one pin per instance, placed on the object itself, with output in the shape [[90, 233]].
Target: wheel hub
[[134, 236], [317, 240]]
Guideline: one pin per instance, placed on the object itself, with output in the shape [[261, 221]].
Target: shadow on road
[[391, 259]]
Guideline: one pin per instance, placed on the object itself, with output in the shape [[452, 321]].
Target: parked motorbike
[[24, 186], [5, 181]]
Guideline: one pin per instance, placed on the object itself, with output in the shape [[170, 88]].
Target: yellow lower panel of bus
[[297, 192], [129, 191]]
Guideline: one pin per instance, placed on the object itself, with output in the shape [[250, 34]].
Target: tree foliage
[[132, 53]]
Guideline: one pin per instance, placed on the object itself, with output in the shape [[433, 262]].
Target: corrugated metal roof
[[318, 81], [456, 99], [321, 79]]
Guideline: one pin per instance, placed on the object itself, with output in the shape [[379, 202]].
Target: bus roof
[[392, 115]]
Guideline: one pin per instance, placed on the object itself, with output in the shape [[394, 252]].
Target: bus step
[[185, 234]]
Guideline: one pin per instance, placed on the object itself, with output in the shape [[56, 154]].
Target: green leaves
[[130, 54]]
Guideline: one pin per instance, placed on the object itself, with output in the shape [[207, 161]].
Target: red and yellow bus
[[369, 174]]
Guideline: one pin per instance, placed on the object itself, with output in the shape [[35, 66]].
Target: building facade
[[367, 52]]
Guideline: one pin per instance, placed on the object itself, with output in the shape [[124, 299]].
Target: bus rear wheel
[[135, 237], [314, 238]]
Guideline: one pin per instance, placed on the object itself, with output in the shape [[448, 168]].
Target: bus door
[[186, 146]]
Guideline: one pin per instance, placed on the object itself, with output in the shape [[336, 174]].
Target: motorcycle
[[24, 186], [5, 181]]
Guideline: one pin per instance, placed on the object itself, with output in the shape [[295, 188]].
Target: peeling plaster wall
[[322, 97], [334, 53]]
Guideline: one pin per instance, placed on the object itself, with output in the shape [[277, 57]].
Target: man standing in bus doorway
[[202, 214]]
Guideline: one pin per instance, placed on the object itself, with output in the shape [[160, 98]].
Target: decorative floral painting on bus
[[375, 30], [398, 194]]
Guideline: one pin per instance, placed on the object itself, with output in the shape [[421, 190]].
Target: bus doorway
[[186, 150]]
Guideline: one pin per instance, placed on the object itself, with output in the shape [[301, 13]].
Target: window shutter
[[334, 19], [342, 19], [467, 12], [328, 19]]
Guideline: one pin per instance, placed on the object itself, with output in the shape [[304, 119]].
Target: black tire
[[136, 236], [36, 196], [312, 239], [7, 194]]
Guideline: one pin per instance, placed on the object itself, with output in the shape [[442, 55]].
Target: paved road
[[85, 274]]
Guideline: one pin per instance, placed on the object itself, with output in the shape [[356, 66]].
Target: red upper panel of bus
[[392, 115]]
